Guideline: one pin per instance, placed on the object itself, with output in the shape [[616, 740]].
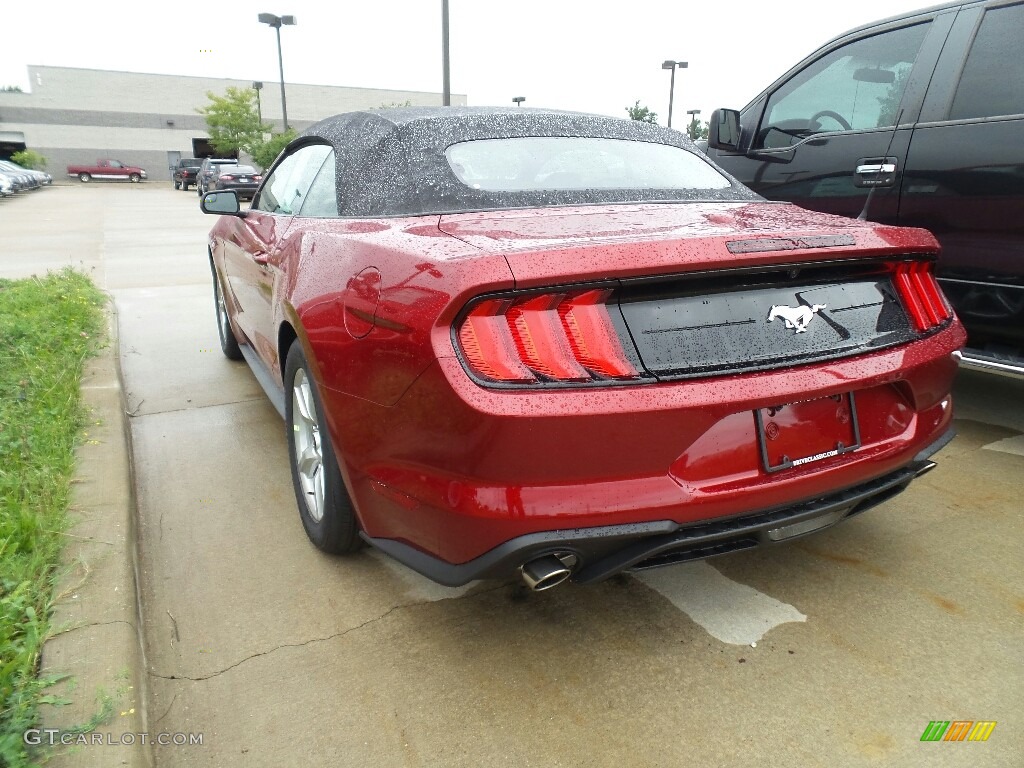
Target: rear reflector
[[566, 337], [921, 295]]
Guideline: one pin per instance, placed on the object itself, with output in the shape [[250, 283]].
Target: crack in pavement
[[136, 414], [91, 624], [316, 639]]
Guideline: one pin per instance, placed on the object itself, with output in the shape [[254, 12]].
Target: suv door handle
[[875, 172]]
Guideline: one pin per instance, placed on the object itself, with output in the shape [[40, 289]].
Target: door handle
[[261, 258], [876, 168], [875, 172]]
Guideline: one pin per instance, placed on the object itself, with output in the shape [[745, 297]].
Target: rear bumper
[[602, 552]]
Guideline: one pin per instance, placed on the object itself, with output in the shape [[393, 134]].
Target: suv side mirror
[[223, 201], [724, 130]]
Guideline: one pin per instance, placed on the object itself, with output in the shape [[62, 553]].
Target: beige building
[[75, 116]]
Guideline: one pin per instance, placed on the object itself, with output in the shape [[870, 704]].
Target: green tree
[[406, 103], [27, 158], [233, 121], [697, 130], [643, 114], [265, 152], [11, 89]]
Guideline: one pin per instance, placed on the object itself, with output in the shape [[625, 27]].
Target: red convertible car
[[561, 345]]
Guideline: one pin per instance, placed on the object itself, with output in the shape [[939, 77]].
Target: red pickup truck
[[107, 169]]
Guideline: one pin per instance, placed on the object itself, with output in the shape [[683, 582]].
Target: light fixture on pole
[[276, 22], [257, 85], [518, 100], [693, 119], [669, 64]]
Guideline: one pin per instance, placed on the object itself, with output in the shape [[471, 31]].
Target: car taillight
[[257, 178], [566, 337], [227, 176], [921, 295]]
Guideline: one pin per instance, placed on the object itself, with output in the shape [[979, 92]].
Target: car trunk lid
[[709, 289]]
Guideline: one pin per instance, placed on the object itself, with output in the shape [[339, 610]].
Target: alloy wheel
[[308, 448]]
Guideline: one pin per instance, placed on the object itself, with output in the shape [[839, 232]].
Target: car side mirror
[[223, 202], [724, 130]]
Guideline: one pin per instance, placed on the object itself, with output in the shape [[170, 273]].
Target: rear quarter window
[[992, 82]]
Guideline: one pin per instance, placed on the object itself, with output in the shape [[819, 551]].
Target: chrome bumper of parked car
[[975, 360], [605, 551]]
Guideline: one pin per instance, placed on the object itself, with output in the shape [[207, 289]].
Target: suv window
[[992, 82], [855, 87], [286, 189]]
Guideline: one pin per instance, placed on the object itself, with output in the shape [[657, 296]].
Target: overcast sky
[[568, 54]]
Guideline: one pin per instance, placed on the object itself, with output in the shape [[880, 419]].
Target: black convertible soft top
[[391, 162]]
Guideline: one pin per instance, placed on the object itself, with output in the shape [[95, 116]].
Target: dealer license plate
[[795, 434]]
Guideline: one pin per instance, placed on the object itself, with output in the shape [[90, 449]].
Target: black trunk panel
[[701, 327]]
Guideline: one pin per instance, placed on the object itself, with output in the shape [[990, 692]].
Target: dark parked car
[[243, 179], [185, 172], [209, 169], [553, 344], [917, 120]]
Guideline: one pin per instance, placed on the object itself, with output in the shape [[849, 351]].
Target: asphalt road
[[280, 655]]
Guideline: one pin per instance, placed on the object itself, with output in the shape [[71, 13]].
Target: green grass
[[48, 327]]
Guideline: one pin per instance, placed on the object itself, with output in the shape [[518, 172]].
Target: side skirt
[[259, 370]]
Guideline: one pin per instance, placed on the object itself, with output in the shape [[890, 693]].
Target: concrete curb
[[97, 640]]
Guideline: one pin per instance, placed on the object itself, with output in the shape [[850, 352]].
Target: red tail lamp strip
[[557, 336], [540, 340], [925, 303], [488, 345], [592, 336]]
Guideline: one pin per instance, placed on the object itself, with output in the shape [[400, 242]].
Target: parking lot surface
[[834, 650]]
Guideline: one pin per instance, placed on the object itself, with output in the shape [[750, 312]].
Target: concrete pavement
[[280, 655]]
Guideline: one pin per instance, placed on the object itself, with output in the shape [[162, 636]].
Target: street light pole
[[693, 119], [258, 86], [446, 82], [276, 22], [669, 64]]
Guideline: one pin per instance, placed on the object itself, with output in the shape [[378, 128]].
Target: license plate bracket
[[807, 431]]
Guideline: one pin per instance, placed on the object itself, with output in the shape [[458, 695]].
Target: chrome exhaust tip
[[545, 572], [927, 467]]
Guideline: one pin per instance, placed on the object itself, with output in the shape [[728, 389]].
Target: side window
[[322, 200], [992, 82], [856, 87], [285, 190]]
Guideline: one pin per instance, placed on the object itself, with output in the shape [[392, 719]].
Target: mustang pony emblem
[[795, 317]]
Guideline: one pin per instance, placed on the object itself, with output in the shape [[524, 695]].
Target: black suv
[[185, 172], [917, 120], [208, 170]]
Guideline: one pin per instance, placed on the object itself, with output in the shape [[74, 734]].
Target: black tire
[[177, 185], [84, 178], [336, 531], [228, 342], [134, 178], [184, 185]]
